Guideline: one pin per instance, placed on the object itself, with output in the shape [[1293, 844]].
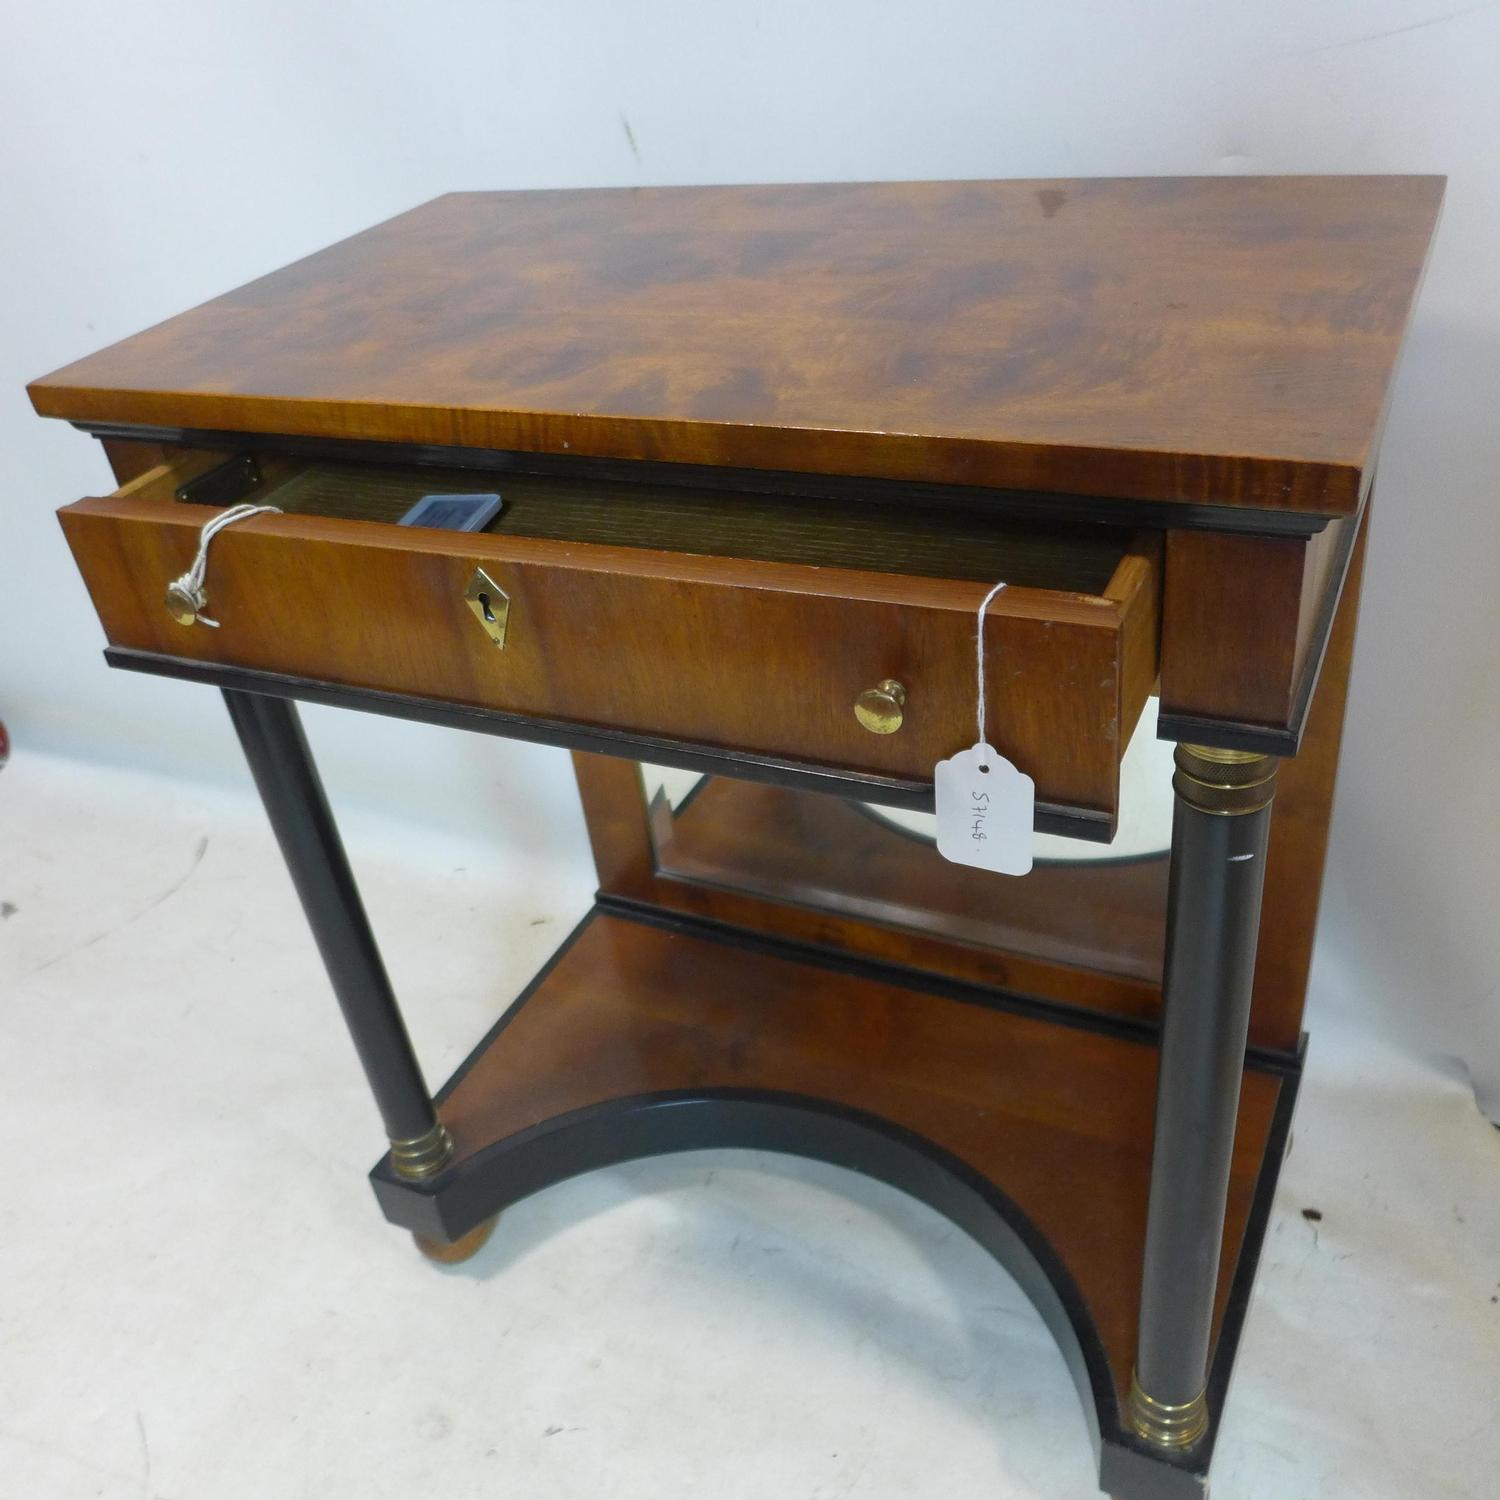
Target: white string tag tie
[[986, 808], [187, 596]]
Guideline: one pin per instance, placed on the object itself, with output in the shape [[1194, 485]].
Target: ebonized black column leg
[[1220, 823], [271, 735]]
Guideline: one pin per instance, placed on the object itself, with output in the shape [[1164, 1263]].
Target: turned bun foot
[[451, 1253]]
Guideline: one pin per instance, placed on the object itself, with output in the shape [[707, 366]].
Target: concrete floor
[[198, 1297]]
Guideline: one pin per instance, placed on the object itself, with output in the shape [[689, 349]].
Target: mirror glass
[[1145, 826], [1084, 905]]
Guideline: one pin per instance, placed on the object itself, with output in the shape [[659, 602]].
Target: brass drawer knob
[[182, 605], [879, 708]]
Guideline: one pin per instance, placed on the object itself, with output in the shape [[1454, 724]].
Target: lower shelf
[[1030, 1129]]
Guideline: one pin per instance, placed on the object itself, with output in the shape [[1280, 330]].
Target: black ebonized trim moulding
[[923, 981], [888, 791]]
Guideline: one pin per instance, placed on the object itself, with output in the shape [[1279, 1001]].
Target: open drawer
[[748, 623]]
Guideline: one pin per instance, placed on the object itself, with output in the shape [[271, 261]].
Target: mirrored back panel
[[1094, 906]]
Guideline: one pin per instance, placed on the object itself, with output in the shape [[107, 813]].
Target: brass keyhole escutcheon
[[490, 604], [879, 708]]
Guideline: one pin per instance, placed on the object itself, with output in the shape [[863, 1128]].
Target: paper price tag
[[986, 811]]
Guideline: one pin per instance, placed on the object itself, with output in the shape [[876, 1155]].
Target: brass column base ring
[[424, 1156], [1164, 1425]]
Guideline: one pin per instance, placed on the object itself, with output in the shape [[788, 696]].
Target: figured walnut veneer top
[[1219, 340]]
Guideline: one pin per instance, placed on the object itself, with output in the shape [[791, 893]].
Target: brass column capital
[[1226, 783]]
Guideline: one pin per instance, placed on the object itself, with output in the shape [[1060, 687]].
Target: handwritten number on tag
[[986, 809]]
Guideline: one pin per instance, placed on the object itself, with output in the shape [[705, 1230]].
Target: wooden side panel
[[1137, 587], [129, 460], [1325, 552], [1299, 833], [614, 809]]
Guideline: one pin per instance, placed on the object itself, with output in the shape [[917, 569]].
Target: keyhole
[[486, 600]]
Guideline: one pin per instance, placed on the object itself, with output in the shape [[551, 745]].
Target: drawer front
[[762, 657]]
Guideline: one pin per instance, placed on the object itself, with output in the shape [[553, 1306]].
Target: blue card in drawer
[[453, 512]]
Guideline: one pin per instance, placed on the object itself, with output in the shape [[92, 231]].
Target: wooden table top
[[1228, 341]]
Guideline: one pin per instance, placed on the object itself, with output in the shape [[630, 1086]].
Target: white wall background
[[157, 154]]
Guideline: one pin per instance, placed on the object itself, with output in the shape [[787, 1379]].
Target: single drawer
[[741, 622]]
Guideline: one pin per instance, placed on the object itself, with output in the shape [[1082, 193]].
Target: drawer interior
[[918, 539]]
